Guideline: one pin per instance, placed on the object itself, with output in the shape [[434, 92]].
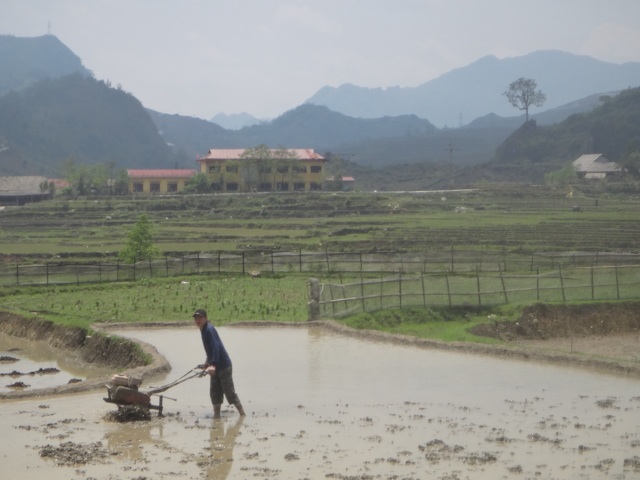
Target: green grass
[[226, 299], [446, 324]]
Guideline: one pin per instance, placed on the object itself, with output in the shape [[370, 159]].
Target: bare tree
[[522, 94]]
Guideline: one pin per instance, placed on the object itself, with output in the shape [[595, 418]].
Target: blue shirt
[[216, 353]]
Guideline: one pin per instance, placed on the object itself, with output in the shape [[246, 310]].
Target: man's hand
[[211, 370]]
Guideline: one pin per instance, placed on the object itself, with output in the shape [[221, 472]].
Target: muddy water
[[320, 405], [32, 356]]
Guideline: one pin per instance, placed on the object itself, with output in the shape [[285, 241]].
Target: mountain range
[[463, 94], [54, 110]]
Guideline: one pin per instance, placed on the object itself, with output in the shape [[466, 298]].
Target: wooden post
[[446, 276], [617, 282], [504, 288], [564, 298], [400, 288], [362, 291], [314, 299], [538, 283], [592, 285], [424, 295], [478, 284], [452, 264]]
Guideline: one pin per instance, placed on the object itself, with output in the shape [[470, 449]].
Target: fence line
[[450, 260], [459, 289]]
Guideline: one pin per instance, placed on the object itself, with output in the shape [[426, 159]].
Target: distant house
[[347, 183], [229, 171], [23, 189], [147, 182], [596, 165]]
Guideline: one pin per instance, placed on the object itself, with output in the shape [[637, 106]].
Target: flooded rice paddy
[[322, 405]]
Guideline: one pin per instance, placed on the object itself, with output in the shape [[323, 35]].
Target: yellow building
[[263, 170], [159, 182]]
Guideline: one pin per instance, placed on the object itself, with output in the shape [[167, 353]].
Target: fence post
[[617, 282], [504, 288], [452, 264], [400, 287], [478, 284], [17, 274], [166, 265], [326, 252], [314, 299], [424, 295], [362, 292], [564, 298], [446, 277], [47, 270], [592, 285], [538, 283], [77, 275]]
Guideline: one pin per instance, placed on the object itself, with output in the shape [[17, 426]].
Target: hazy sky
[[264, 57]]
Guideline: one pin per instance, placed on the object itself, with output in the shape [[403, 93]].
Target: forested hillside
[[26, 61], [80, 118]]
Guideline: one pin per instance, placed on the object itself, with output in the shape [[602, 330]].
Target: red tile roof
[[168, 173]]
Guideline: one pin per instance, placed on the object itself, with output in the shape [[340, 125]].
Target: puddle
[[320, 405], [33, 360]]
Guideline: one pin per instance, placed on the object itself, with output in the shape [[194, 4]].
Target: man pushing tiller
[[217, 365]]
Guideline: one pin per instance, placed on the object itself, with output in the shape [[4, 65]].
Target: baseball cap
[[200, 312]]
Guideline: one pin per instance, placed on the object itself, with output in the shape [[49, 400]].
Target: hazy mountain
[[79, 118], [26, 61], [476, 90], [235, 121]]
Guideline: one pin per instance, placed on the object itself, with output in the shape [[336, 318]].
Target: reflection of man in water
[[222, 443]]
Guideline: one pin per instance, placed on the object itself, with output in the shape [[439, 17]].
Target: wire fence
[[450, 260], [331, 300]]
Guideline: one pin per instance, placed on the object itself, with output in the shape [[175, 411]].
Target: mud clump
[[70, 453], [543, 322]]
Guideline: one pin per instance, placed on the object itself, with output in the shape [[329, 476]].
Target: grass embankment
[[226, 299], [229, 300]]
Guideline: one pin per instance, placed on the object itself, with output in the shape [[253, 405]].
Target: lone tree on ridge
[[522, 94], [139, 244]]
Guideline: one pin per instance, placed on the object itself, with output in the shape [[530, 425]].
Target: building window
[[138, 187], [298, 186], [300, 169], [315, 186], [216, 187], [155, 187], [232, 168], [282, 186], [232, 187], [265, 169], [283, 168], [316, 169], [214, 168], [172, 187], [265, 187]]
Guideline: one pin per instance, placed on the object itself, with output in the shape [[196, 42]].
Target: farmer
[[217, 365]]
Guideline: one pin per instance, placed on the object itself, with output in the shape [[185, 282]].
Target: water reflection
[[322, 405], [222, 439]]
